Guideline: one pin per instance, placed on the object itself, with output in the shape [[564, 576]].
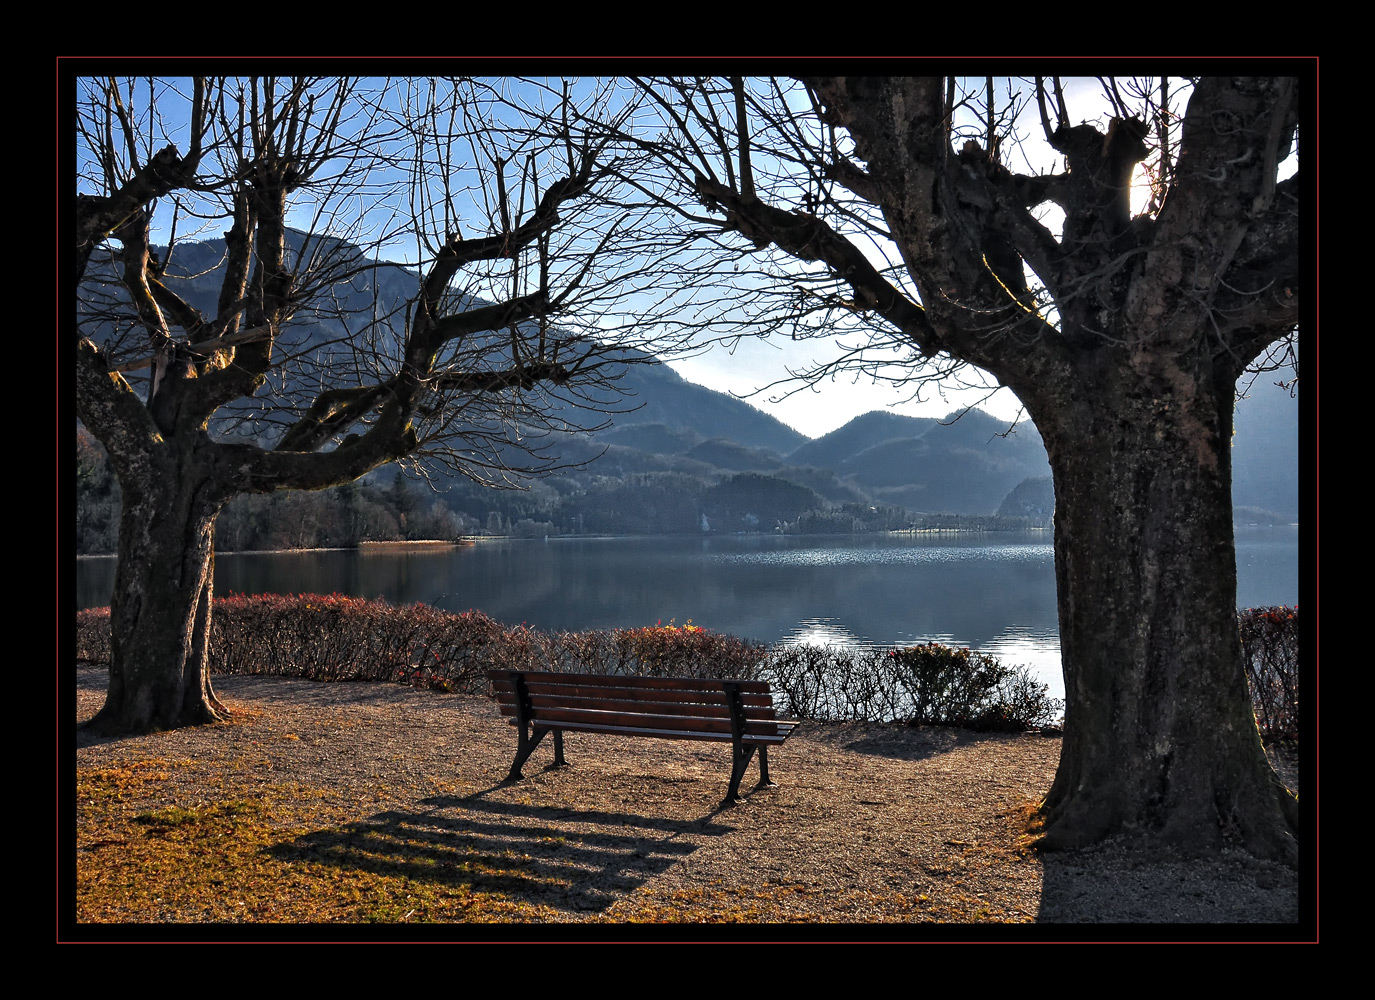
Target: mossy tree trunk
[[160, 610], [1160, 739]]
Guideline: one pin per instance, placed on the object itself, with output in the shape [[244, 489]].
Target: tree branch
[[97, 216], [107, 405], [485, 318], [203, 349], [855, 180], [333, 412], [808, 238]]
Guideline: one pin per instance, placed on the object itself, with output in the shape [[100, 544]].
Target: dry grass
[[354, 803]]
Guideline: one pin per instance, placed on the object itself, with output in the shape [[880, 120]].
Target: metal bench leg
[[558, 749], [741, 755], [764, 781], [528, 737], [523, 751]]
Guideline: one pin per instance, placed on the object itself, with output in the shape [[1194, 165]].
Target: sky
[[836, 401]]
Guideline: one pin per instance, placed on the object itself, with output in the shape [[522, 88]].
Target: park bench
[[738, 712]]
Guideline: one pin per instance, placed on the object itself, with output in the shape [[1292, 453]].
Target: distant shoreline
[[467, 540]]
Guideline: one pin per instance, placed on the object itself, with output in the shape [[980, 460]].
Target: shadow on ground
[[570, 859], [899, 742], [1117, 885]]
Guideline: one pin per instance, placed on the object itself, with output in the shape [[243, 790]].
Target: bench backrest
[[681, 707]]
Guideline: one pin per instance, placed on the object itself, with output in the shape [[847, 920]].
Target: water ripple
[[894, 556]]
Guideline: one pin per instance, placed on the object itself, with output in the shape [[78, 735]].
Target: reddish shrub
[[335, 637]]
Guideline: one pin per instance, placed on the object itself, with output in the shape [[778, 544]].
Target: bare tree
[[275, 377], [901, 214]]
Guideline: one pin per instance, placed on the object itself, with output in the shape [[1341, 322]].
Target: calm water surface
[[992, 592]]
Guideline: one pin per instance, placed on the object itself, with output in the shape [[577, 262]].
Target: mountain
[[971, 464], [1032, 498], [666, 399], [964, 464], [727, 454], [864, 431], [659, 438]]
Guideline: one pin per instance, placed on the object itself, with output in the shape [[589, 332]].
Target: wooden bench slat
[[628, 692], [667, 734], [670, 696], [636, 682], [649, 707], [733, 711], [695, 695], [570, 717], [574, 721], [752, 704], [640, 720]]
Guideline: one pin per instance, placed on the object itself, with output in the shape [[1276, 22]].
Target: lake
[[992, 592]]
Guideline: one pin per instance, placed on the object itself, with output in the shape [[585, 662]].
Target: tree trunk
[[1160, 738], [161, 605]]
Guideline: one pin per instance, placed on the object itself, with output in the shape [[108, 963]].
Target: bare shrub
[[1270, 647]]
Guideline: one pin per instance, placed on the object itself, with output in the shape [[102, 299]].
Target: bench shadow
[[570, 859], [900, 742]]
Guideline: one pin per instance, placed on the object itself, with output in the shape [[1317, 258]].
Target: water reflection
[[822, 632], [917, 551]]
